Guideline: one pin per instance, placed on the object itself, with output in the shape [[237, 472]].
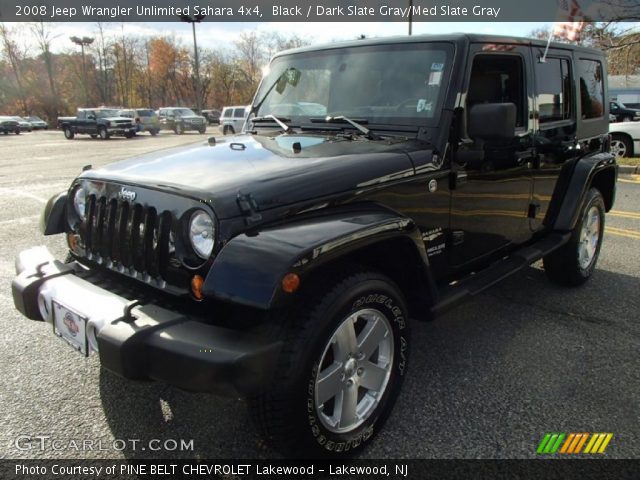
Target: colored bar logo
[[573, 443]]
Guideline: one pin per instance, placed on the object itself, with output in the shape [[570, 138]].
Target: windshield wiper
[[342, 119], [272, 118]]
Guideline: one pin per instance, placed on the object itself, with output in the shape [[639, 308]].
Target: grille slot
[[127, 236]]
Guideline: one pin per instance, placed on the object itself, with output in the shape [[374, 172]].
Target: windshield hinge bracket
[[249, 206]]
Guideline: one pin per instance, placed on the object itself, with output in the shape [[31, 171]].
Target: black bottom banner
[[321, 469]]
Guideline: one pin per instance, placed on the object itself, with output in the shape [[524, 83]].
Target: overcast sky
[[220, 35]]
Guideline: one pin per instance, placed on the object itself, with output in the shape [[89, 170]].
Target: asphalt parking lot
[[488, 380]]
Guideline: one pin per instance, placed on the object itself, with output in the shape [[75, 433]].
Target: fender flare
[[585, 171], [52, 220], [249, 268]]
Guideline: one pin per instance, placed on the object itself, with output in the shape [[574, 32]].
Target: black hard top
[[457, 38]]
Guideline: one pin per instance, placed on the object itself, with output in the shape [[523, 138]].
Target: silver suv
[[232, 119]]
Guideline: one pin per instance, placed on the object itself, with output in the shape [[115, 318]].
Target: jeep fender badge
[[433, 185]]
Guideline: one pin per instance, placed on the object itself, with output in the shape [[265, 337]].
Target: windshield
[[183, 112], [399, 84], [107, 113]]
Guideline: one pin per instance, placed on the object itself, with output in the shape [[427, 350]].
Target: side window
[[591, 89], [82, 115], [553, 95], [238, 113], [227, 113], [498, 79]]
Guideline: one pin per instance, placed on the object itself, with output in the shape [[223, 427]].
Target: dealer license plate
[[71, 326]]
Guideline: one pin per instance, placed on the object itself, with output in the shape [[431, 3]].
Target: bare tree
[[15, 57], [44, 36]]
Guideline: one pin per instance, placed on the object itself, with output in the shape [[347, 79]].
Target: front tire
[[574, 263], [345, 352]]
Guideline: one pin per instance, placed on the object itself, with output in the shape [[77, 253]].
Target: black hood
[[265, 167]]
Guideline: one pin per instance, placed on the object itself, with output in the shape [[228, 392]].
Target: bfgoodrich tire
[[574, 263], [345, 353]]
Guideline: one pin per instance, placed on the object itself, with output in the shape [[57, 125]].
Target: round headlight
[[202, 233], [80, 202]]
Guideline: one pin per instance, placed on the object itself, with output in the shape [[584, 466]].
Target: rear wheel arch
[[605, 182]]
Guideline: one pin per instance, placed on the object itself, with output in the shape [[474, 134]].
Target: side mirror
[[492, 121]]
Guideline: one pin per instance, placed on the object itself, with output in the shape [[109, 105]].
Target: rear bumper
[[145, 341]]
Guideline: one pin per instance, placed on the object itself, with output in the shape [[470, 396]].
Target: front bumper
[[121, 130], [139, 341]]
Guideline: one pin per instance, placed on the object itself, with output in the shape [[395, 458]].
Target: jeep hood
[[267, 168]]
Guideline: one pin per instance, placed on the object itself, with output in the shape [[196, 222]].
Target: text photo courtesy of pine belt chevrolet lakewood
[[283, 263]]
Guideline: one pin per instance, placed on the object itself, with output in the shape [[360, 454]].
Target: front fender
[[586, 169], [249, 269], [52, 220]]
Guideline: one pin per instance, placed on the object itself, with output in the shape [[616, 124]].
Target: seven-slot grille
[[127, 236]]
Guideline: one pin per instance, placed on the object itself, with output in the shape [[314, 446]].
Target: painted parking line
[[623, 214], [623, 232]]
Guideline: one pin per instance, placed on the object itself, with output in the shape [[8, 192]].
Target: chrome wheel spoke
[[329, 382], [373, 376], [372, 335], [345, 339], [348, 406]]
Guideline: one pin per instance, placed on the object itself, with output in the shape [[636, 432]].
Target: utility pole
[[82, 42], [193, 19]]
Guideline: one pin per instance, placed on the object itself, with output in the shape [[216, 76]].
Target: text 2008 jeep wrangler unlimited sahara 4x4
[[378, 181]]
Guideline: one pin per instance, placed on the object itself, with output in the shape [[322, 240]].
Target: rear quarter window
[[591, 88]]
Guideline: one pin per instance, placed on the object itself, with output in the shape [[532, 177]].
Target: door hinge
[[249, 206]]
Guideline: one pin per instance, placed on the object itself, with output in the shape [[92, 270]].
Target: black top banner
[[319, 10]]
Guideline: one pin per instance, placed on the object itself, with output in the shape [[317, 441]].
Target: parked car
[[146, 120], [212, 116], [37, 123], [232, 119], [180, 120], [98, 122], [625, 139], [298, 255], [9, 125], [25, 125], [624, 113]]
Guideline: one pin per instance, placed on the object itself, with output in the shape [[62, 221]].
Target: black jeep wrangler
[[378, 181]]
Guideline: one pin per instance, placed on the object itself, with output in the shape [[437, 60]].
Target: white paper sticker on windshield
[[437, 67], [435, 78]]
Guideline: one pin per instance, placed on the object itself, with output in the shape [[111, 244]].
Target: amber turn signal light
[[196, 287], [290, 282]]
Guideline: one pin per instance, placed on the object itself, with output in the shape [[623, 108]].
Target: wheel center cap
[[350, 367]]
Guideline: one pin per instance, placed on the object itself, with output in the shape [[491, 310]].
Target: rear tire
[[153, 132], [104, 134], [621, 146], [574, 263], [345, 352]]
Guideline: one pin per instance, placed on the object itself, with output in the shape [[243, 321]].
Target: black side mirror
[[492, 121]]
